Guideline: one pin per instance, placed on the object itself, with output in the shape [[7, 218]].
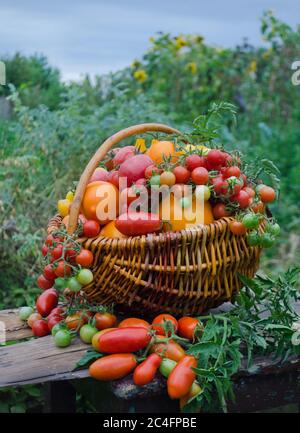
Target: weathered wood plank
[[15, 328]]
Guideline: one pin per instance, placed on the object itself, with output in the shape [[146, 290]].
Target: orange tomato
[[101, 201], [187, 326], [113, 367], [170, 350], [160, 149], [81, 218], [110, 231], [159, 321], [104, 320], [134, 322], [95, 339], [75, 321]]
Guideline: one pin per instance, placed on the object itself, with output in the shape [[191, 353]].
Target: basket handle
[[100, 154]]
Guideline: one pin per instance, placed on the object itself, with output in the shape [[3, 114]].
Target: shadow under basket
[[184, 272]]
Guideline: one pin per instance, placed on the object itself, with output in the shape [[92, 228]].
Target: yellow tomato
[[110, 231], [70, 196], [63, 207]]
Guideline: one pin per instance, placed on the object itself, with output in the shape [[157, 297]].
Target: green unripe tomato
[[87, 332], [60, 283], [166, 366], [273, 229], [253, 239], [56, 328], [155, 180], [25, 312], [202, 192], [250, 221], [85, 276], [266, 240], [62, 338], [74, 285]]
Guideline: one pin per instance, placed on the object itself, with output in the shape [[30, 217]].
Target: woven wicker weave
[[184, 272]]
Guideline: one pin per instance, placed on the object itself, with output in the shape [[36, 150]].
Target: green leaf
[[89, 356]]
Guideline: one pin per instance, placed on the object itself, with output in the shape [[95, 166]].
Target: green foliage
[[20, 400]]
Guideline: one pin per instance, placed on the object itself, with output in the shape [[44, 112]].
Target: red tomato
[[123, 154], [170, 350], [49, 273], [124, 340], [53, 320], [40, 328], [133, 322], [134, 168], [57, 252], [138, 223], [267, 194], [258, 207], [104, 320], [220, 185], [49, 240], [70, 252], [250, 191], [33, 318], [46, 302], [187, 326], [242, 198], [113, 367], [182, 377], [220, 211], [152, 170], [159, 321], [44, 250], [182, 174], [216, 158], [194, 161], [145, 372], [62, 269], [234, 170], [200, 176], [44, 283], [91, 229], [237, 228], [85, 258]]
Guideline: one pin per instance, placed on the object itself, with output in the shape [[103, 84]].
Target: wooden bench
[[269, 384]]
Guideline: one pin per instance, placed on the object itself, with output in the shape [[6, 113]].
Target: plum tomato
[[132, 322], [46, 302], [53, 320]]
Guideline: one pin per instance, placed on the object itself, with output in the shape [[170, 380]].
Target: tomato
[[253, 239], [105, 320], [152, 170], [138, 223], [134, 168], [234, 170], [62, 269], [166, 366], [154, 180], [124, 340], [159, 322], [273, 229], [202, 192], [32, 318], [100, 202], [57, 252], [167, 178], [91, 229], [74, 321], [70, 253], [87, 333], [123, 154], [63, 207], [58, 311], [171, 350], [49, 273], [40, 328], [266, 240], [216, 158], [85, 276], [145, 372], [193, 392], [219, 211], [44, 250], [258, 207], [113, 178], [250, 191], [194, 161], [187, 326], [47, 301], [85, 258], [53, 320], [57, 327], [44, 283], [113, 367], [110, 231], [133, 322], [220, 185], [159, 150], [182, 377], [237, 228], [25, 312], [200, 175], [99, 174], [250, 221], [182, 174], [242, 198], [62, 338], [49, 240], [267, 194], [74, 285], [95, 339]]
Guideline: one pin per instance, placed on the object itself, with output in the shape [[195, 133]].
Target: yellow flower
[[192, 67], [252, 67], [140, 145], [180, 42], [140, 75]]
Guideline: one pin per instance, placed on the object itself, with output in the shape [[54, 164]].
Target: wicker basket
[[184, 272]]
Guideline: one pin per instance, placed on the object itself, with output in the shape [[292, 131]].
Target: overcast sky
[[98, 36]]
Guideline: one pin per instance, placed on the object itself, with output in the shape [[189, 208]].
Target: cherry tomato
[[62, 269], [253, 239], [187, 326], [74, 285], [124, 340], [49, 273], [216, 158], [57, 327], [49, 240], [53, 320], [95, 339], [85, 276], [145, 372], [170, 350], [250, 191], [182, 174], [133, 322], [47, 301], [87, 333], [58, 311], [44, 250], [85, 258], [152, 170], [91, 229], [56, 252], [167, 178], [266, 240], [220, 185], [237, 228], [273, 229], [267, 194], [200, 176], [113, 367], [234, 170], [202, 192], [194, 161], [32, 318], [258, 207], [219, 211], [250, 221], [182, 377], [159, 322], [44, 283], [242, 198], [62, 338], [25, 312], [154, 180], [40, 328], [70, 253], [74, 321]]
